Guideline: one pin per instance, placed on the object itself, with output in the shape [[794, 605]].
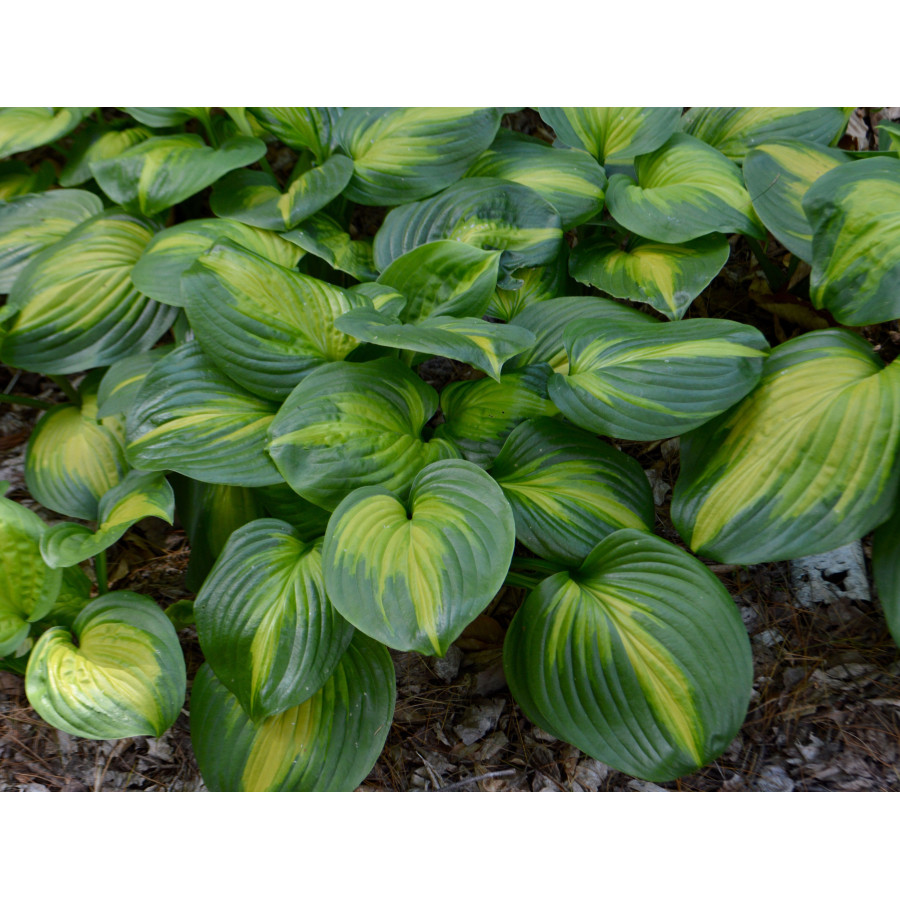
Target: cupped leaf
[[483, 345], [569, 180], [804, 464], [28, 586], [413, 575], [76, 306], [886, 570], [536, 284], [778, 175], [192, 419], [479, 415], [123, 674], [266, 627], [568, 490], [328, 743], [32, 222], [265, 325], [854, 211], [121, 382], [172, 252], [647, 382], [73, 457], [613, 133], [26, 127], [97, 144], [302, 127], [255, 198], [444, 278], [668, 277], [482, 212], [162, 171], [325, 237], [352, 424], [639, 658], [684, 190], [404, 154], [734, 130], [138, 496]]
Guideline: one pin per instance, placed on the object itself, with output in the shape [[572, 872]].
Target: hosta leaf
[[301, 127], [73, 457], [28, 586], [736, 129], [639, 658], [324, 237], [684, 190], [886, 570], [568, 490], [353, 424], [138, 496], [74, 595], [76, 305], [192, 419], [537, 283], [669, 277], [282, 502], [172, 252], [122, 675], [265, 325], [256, 198], [32, 222], [162, 171], [17, 179], [548, 320], [479, 415], [483, 345], [328, 743], [889, 136], [778, 175], [569, 180], [265, 625], [95, 145], [613, 133], [405, 154], [413, 575], [647, 382], [165, 116], [121, 382], [444, 278], [482, 212], [25, 127], [805, 464], [855, 214]]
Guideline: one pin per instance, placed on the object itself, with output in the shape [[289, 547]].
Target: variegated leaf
[[16, 178], [25, 127], [535, 284], [302, 127], [94, 145], [121, 382], [325, 237]]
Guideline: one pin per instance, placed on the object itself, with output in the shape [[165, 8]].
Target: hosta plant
[[244, 308]]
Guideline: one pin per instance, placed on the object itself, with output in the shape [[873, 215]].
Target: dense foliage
[[250, 337]]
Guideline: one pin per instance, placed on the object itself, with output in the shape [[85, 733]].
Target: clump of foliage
[[251, 350]]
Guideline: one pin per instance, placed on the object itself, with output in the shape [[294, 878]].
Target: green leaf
[[265, 325], [282, 502], [16, 178], [639, 658], [536, 284], [324, 237], [444, 278], [413, 575], [568, 490], [162, 171], [172, 252], [684, 190], [192, 419], [94, 145], [854, 211], [265, 625], [73, 457], [302, 127], [804, 464], [569, 180], [120, 384], [28, 586], [734, 130], [353, 424], [74, 595], [669, 277], [256, 198], [654, 381], [32, 222], [889, 136], [405, 154], [613, 133], [479, 415], [482, 212], [483, 345], [328, 743], [123, 674], [138, 496], [886, 570], [25, 127], [165, 116], [76, 307]]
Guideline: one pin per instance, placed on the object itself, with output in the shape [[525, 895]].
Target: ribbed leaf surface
[[535, 284], [121, 382], [302, 127]]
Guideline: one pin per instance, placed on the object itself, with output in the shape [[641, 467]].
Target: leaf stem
[[25, 401], [515, 579], [774, 275], [206, 121], [66, 387], [100, 572]]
